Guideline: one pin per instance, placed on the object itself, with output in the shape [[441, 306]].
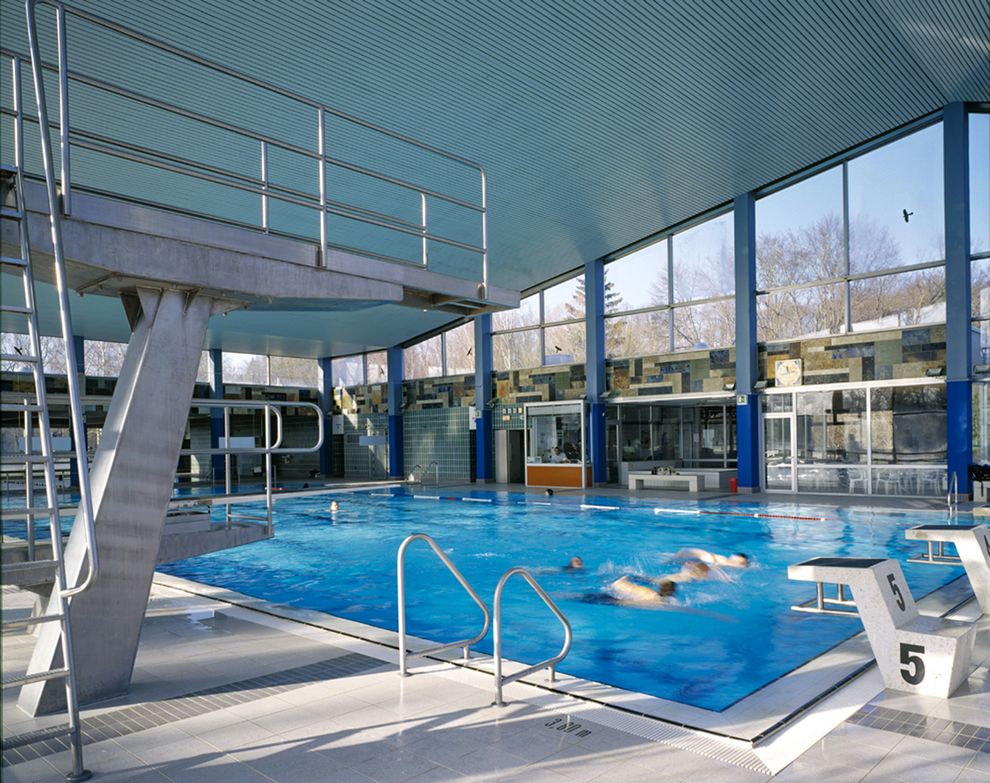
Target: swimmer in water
[[334, 507], [629, 592], [737, 560], [574, 564], [549, 493]]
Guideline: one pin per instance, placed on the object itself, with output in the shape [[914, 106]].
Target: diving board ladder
[[48, 560]]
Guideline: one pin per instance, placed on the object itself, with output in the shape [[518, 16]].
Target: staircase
[[26, 560]]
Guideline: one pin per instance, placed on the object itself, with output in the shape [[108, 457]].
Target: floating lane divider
[[426, 497], [383, 495], [590, 507], [737, 514], [477, 500]]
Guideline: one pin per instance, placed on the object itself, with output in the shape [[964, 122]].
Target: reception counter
[[557, 474]]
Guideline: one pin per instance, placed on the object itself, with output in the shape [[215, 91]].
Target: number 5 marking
[[896, 591], [917, 671]]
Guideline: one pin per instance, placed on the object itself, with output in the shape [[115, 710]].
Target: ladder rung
[[10, 407], [27, 511], [13, 214], [21, 459], [19, 309], [18, 357], [6, 168], [24, 622], [12, 681], [12, 261]]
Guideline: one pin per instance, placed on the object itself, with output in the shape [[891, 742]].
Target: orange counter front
[[557, 475]]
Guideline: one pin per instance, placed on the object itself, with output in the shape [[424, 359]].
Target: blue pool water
[[720, 640]]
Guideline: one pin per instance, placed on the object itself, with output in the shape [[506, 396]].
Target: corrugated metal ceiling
[[599, 123]]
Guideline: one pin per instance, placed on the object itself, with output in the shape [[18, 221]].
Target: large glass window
[[103, 359], [459, 350], [294, 371], [347, 371], [448, 353], [378, 367], [830, 249], [979, 229], [423, 360], [247, 368], [680, 290], [557, 338], [52, 353]]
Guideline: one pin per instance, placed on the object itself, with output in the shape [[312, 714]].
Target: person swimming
[[628, 592], [737, 560], [334, 507], [574, 564], [548, 492]]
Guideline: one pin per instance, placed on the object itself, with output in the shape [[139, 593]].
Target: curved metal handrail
[[550, 663], [401, 586], [952, 497]]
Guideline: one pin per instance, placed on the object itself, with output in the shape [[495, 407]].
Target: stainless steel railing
[[502, 680], [952, 496], [265, 186], [405, 654]]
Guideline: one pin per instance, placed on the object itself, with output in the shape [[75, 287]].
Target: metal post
[[63, 109], [226, 462], [264, 186], [422, 212], [29, 478], [321, 149], [484, 234], [820, 594], [268, 466]]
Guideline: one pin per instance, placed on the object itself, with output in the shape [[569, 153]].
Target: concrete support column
[[396, 467], [484, 450], [326, 405], [747, 366], [217, 392], [80, 369], [594, 335], [131, 480], [958, 293]]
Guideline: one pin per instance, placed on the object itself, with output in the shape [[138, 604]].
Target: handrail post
[[29, 478], [268, 466], [226, 463], [401, 590], [423, 223], [484, 234], [321, 148], [63, 109], [264, 186]]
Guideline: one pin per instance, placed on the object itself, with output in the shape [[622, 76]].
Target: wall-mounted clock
[[787, 372]]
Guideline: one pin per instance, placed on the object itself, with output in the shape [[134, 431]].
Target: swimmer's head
[[549, 493], [739, 559], [575, 564], [666, 588], [334, 506]]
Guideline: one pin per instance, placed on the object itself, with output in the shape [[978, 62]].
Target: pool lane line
[[591, 507], [659, 511], [478, 500], [426, 497]]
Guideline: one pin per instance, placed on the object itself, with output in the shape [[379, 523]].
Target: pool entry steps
[[501, 679], [26, 563]]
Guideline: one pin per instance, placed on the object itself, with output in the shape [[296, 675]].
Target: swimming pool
[[720, 640]]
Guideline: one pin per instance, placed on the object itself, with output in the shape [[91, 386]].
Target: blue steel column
[[216, 414], [958, 383], [80, 369], [326, 405], [394, 389], [594, 336], [483, 398], [747, 366]]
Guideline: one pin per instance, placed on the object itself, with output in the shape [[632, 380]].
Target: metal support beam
[[217, 392], [394, 392], [132, 476], [594, 332], [326, 405], [958, 337], [747, 365], [483, 397]]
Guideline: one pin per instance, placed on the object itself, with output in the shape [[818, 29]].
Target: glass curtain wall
[[448, 353], [979, 232], [547, 328], [675, 294], [857, 247], [689, 435], [880, 440]]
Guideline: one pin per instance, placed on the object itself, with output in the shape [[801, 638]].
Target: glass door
[[778, 450]]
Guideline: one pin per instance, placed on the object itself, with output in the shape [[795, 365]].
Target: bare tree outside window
[[52, 353]]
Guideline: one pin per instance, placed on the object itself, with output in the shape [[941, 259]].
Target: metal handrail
[[952, 497], [61, 283], [436, 467], [404, 654], [262, 186], [550, 663]]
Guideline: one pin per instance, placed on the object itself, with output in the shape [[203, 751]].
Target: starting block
[[915, 653], [972, 543]]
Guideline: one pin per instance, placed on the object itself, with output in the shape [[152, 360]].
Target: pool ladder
[[413, 474], [952, 496], [501, 679]]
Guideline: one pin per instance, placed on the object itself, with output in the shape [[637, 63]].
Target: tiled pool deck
[[227, 692]]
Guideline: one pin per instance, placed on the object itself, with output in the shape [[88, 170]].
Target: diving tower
[[176, 255]]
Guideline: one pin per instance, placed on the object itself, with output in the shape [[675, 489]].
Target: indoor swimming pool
[[719, 640]]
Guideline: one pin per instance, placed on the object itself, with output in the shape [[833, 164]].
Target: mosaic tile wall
[[542, 384], [681, 373], [875, 356], [372, 398], [453, 392], [438, 435], [365, 461]]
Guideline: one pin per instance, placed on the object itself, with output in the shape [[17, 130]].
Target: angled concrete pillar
[[484, 448], [132, 476], [748, 455], [594, 335], [396, 468], [326, 405], [958, 293], [215, 362]]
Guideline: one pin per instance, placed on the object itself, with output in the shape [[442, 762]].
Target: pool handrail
[[404, 654], [550, 663]]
